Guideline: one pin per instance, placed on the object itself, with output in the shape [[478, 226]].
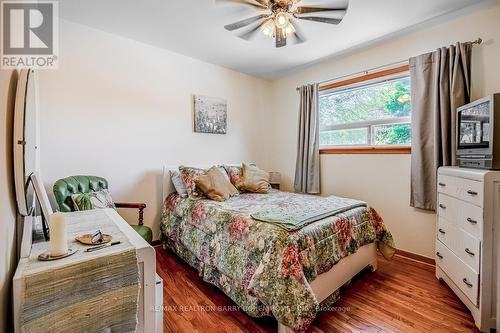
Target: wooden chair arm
[[130, 205], [139, 206]]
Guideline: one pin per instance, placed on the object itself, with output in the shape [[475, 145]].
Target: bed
[[269, 268]]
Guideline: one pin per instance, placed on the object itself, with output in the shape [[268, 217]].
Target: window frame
[[359, 81]]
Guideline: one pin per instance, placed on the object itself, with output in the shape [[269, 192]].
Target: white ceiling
[[195, 28]]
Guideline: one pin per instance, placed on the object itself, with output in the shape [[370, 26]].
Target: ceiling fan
[[280, 19]]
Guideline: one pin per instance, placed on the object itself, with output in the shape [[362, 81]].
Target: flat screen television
[[478, 133]]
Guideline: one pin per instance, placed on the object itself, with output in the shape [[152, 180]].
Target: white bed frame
[[325, 284]]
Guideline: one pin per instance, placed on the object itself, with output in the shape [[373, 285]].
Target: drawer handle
[[467, 282], [471, 221], [442, 184], [440, 256], [472, 192], [442, 206], [442, 231], [469, 252]]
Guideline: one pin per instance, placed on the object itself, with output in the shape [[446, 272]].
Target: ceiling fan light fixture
[[268, 28], [289, 29], [281, 20]]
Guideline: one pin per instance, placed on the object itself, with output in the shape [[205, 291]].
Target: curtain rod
[[366, 71]]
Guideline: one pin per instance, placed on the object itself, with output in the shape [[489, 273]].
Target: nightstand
[[275, 179]]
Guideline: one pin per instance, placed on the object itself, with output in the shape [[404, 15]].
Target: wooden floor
[[401, 296]]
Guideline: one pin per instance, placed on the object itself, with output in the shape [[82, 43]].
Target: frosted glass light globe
[[268, 28], [281, 20]]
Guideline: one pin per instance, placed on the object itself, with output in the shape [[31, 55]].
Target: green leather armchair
[[64, 188]]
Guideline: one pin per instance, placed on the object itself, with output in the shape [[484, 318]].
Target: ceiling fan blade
[[321, 19], [248, 35], [244, 23], [299, 35], [306, 10], [280, 38], [262, 4]]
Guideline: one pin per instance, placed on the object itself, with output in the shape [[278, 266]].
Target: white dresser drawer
[[463, 215], [461, 188], [445, 232], [469, 250], [463, 245], [461, 274]]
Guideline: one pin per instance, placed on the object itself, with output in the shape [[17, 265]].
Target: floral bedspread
[[262, 267]]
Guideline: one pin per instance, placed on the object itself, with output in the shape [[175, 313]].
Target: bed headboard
[[168, 186]]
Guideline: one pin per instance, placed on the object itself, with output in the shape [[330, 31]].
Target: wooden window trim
[[366, 150], [367, 77]]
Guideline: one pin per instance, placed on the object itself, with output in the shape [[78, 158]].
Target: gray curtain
[[307, 173], [440, 84]]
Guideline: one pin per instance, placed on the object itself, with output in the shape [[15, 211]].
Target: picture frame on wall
[[210, 114]]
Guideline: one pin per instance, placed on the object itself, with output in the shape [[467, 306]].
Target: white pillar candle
[[58, 244]]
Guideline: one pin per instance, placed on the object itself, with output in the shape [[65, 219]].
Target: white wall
[[383, 180], [8, 81], [121, 109]]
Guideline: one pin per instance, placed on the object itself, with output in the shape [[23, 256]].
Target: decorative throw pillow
[[92, 200], [235, 173], [222, 169], [176, 178], [188, 174], [254, 179], [215, 185]]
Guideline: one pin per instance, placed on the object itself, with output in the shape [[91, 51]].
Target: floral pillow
[[235, 174], [188, 175]]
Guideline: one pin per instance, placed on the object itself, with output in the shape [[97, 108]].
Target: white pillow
[[175, 175]]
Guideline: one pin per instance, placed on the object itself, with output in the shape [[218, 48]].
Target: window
[[372, 111]]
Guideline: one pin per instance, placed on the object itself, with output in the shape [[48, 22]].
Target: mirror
[[25, 140]]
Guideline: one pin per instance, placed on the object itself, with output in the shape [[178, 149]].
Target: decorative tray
[[87, 239]]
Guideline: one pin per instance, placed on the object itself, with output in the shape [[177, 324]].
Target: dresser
[[466, 251]]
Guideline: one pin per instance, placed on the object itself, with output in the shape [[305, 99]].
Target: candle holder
[[46, 256]]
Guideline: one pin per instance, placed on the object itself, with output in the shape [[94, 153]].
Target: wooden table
[[150, 306]]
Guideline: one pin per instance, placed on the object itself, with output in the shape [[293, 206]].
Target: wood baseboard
[[416, 257]]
